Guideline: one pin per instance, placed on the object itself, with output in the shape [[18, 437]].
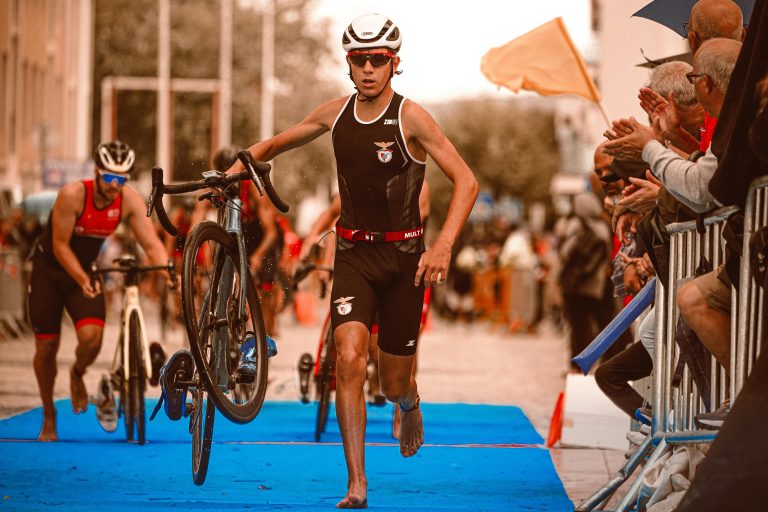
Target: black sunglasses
[[377, 60], [692, 76]]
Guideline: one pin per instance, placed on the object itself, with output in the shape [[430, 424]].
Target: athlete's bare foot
[[48, 431], [411, 432], [78, 391], [356, 497]]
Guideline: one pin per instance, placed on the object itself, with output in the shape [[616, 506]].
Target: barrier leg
[[629, 499], [616, 481]]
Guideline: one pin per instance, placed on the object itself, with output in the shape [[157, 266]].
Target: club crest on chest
[[384, 153]]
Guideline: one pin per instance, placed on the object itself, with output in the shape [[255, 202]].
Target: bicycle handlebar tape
[[157, 201], [261, 171]]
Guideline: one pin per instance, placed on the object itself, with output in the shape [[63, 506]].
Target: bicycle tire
[[324, 404], [324, 384], [201, 427], [137, 379], [165, 314], [125, 404], [202, 309]]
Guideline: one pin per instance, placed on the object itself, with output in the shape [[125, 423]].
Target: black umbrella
[[674, 14]]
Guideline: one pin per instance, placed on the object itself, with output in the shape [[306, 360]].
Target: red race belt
[[360, 235]]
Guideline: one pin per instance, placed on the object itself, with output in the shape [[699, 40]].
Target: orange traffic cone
[[556, 425]]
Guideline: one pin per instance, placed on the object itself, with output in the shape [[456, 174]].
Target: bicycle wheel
[[201, 428], [324, 381], [211, 289], [137, 380], [165, 313], [125, 394]]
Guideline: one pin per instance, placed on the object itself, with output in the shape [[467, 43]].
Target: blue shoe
[[271, 347], [247, 368], [644, 415], [180, 367]]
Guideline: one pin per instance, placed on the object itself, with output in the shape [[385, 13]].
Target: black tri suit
[[379, 186]]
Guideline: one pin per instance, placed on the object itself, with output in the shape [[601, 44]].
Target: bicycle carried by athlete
[[227, 367], [133, 356]]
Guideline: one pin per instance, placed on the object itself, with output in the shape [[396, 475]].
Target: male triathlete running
[[381, 142], [84, 215]]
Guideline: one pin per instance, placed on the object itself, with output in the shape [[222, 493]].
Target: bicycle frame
[[229, 217], [130, 305]]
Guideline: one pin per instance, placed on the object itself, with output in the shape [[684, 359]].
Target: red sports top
[[95, 222], [91, 228], [707, 131]]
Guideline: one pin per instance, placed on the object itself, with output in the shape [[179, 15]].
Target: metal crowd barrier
[[749, 321], [674, 407], [12, 295]]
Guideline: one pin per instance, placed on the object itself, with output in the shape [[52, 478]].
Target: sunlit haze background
[[443, 41]]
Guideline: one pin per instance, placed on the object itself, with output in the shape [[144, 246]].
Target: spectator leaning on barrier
[[614, 297], [708, 19], [629, 364], [675, 113]]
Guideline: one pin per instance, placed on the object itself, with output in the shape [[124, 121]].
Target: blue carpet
[[294, 422], [102, 472]]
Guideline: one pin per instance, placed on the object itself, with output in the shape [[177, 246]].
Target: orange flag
[[544, 60]]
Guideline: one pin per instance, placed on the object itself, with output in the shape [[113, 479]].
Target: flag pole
[[605, 114]]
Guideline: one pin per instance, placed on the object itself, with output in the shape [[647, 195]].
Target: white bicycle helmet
[[371, 31], [116, 157]]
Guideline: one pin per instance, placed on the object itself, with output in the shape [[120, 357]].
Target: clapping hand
[[641, 195], [630, 146]]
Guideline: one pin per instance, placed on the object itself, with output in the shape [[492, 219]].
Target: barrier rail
[[12, 293]]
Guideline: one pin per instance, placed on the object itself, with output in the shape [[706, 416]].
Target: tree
[[509, 144], [126, 44]]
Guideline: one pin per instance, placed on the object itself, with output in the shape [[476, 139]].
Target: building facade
[[46, 59]]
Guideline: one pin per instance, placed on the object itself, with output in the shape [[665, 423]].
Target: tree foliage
[[126, 42], [509, 144]]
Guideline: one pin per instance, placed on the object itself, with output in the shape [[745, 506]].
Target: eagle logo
[[344, 307], [384, 154]]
